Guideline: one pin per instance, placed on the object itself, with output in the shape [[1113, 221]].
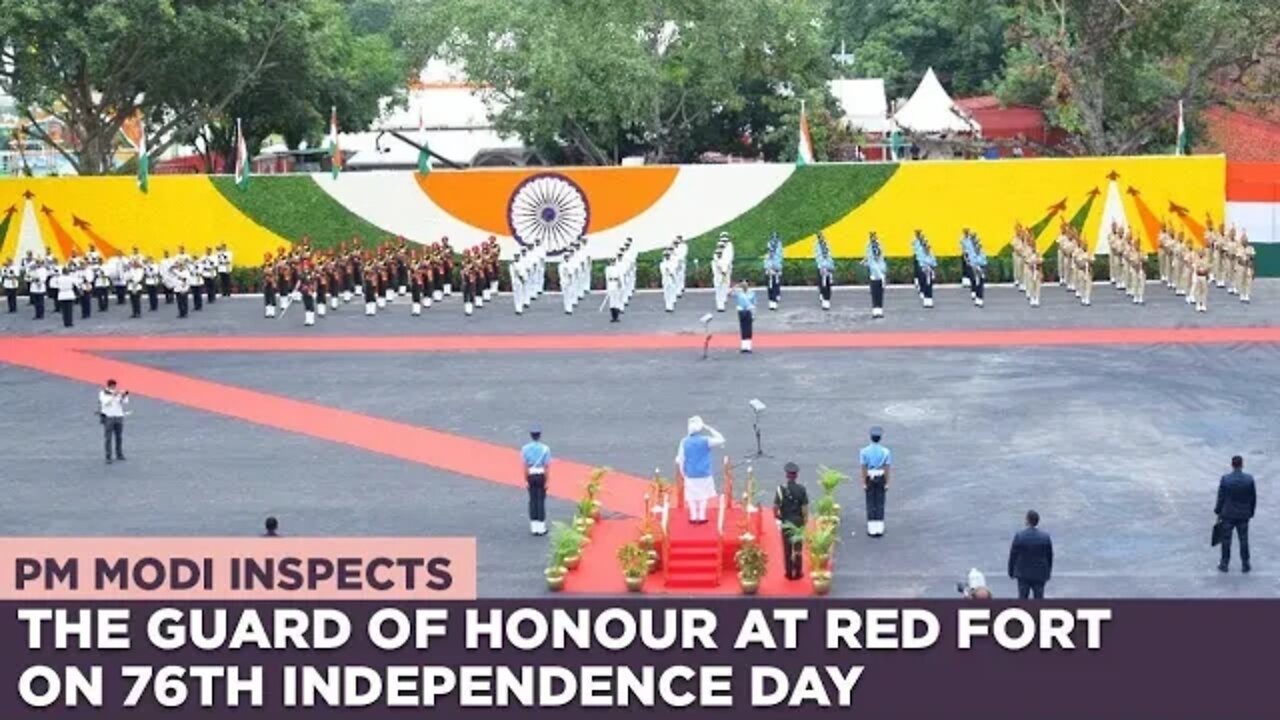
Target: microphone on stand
[[706, 326]]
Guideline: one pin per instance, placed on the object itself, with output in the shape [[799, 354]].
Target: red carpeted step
[[686, 565], [693, 580], [693, 552]]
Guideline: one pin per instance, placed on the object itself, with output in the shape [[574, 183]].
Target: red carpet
[[692, 569], [1019, 337]]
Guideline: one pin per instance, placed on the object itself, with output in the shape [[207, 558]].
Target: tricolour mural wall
[[649, 204]]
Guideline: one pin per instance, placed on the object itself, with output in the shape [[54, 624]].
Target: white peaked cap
[[976, 579], [695, 425]]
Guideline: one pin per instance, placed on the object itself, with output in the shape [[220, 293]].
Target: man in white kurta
[[693, 457]]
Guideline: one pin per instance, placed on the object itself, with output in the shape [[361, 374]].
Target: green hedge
[[814, 197], [293, 205], [794, 272]]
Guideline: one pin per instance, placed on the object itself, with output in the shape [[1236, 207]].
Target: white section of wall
[[702, 198], [1260, 219], [29, 235], [394, 201]]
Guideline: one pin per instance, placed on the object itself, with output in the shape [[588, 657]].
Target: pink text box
[[358, 568]]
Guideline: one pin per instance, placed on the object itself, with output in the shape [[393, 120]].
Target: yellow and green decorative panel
[[650, 205]]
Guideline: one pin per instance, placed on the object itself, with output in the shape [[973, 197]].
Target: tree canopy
[[591, 81], [188, 65], [1111, 72], [669, 78]]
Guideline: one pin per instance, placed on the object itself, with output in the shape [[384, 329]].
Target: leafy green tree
[[897, 40], [667, 78], [188, 65], [1111, 72], [97, 64], [330, 65]]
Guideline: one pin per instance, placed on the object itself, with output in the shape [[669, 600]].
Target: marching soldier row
[[1127, 263], [90, 279], [1075, 264], [1028, 265], [575, 274], [924, 266], [324, 280], [620, 281]]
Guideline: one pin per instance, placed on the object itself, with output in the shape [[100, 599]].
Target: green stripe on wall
[[814, 197], [1267, 260], [293, 205]]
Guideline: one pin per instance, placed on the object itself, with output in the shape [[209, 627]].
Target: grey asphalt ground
[[1119, 448]]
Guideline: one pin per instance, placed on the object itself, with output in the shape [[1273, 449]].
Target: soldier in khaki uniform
[[1190, 259], [1216, 242], [1033, 272], [1015, 256], [1201, 265], [1139, 270], [1084, 271], [1115, 258], [1162, 254], [1247, 255], [1066, 259]]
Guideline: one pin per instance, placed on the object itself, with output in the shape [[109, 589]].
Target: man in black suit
[[1031, 558], [1237, 498]]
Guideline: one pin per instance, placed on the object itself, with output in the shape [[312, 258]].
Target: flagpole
[[1182, 131]]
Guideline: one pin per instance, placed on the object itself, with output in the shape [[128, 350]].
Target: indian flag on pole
[[242, 159], [1182, 132], [804, 149], [424, 159], [144, 162], [335, 152]]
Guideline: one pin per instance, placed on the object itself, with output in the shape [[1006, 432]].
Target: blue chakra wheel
[[548, 208]]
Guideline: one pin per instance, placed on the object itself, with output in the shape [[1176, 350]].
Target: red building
[[1011, 125]]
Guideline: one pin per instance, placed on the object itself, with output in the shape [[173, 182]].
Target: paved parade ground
[[1113, 421]]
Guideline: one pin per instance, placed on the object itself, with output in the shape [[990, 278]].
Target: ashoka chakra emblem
[[548, 208]]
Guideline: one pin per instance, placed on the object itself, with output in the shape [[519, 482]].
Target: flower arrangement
[[752, 561], [634, 561]]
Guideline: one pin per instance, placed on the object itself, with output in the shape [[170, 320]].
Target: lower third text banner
[[495, 659]]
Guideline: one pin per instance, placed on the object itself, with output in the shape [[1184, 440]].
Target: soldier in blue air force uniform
[[773, 270], [977, 263], [878, 272], [926, 268], [536, 457], [875, 460], [826, 270]]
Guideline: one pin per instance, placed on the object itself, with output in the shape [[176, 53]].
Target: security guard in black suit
[[1237, 500], [1031, 558], [791, 505]]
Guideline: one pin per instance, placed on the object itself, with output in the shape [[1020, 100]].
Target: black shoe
[[1222, 567], [1246, 568], [120, 458], [108, 459]]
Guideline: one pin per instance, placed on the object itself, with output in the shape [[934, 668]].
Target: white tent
[[931, 110], [864, 105]]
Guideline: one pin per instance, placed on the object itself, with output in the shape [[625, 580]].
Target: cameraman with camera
[[111, 414]]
